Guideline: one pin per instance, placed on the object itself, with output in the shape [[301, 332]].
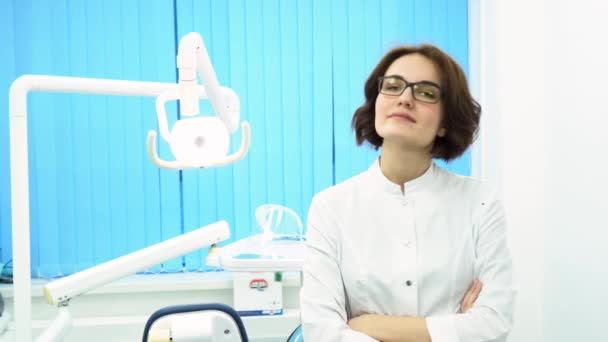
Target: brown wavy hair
[[461, 112]]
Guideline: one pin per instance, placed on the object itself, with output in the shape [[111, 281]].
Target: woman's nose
[[406, 98]]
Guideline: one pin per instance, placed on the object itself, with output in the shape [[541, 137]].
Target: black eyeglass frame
[[410, 85]]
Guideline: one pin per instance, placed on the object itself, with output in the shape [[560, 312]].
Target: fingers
[[465, 304], [477, 285], [471, 296]]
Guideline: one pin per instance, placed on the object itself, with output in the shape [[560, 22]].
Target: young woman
[[400, 251]]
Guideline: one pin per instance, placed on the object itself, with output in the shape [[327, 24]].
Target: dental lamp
[[191, 148], [202, 141]]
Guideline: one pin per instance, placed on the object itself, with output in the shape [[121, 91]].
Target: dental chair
[[200, 323], [263, 252], [195, 322]]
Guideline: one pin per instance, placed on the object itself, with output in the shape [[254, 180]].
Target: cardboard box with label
[[258, 293]]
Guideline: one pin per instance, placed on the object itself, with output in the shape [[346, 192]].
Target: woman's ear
[[441, 132]]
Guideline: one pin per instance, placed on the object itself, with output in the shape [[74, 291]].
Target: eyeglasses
[[424, 91]]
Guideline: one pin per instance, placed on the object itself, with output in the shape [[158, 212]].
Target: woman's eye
[[427, 93]]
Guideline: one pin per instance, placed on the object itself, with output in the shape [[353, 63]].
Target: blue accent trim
[[246, 313], [296, 335]]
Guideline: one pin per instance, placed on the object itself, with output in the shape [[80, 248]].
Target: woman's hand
[[471, 296], [391, 328], [405, 328], [363, 324]]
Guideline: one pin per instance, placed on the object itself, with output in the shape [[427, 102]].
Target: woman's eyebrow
[[421, 81], [396, 76]]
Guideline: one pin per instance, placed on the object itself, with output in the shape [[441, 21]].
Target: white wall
[[544, 68], [576, 230]]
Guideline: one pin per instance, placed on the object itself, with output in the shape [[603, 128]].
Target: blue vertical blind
[[297, 66]]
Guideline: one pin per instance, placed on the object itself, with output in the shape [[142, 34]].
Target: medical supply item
[[258, 293], [257, 262]]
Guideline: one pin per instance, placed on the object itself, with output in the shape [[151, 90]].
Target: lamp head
[[200, 140]]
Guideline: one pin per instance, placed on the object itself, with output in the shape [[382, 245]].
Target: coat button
[[408, 283]]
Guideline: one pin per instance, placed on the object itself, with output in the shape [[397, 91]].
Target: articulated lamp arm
[[61, 291]]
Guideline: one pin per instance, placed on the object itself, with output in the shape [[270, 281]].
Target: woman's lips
[[403, 116]]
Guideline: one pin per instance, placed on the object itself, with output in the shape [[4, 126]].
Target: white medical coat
[[374, 249]]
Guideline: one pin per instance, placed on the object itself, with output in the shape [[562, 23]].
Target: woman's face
[[403, 119]]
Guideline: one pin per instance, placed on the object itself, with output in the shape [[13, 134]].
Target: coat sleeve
[[491, 317], [322, 297]]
